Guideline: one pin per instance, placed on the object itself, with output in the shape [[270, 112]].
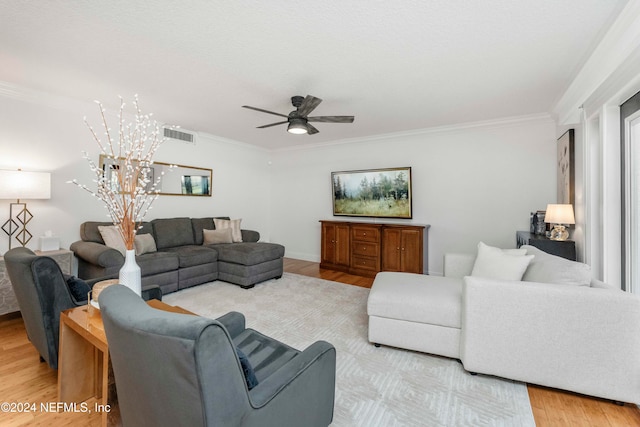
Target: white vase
[[130, 274]]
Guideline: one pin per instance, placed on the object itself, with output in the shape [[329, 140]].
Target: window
[[630, 185]]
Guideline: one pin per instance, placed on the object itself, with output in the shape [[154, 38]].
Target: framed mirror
[[175, 180]]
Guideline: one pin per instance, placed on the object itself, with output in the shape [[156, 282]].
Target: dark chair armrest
[[286, 376], [233, 322], [250, 235], [97, 254], [152, 292]]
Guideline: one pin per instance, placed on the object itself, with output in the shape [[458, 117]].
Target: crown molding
[[459, 127]]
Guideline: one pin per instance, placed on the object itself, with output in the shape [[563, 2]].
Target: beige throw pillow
[[112, 237], [144, 243], [496, 263], [212, 237], [233, 224]]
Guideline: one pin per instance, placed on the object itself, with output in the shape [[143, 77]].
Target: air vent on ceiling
[[179, 135]]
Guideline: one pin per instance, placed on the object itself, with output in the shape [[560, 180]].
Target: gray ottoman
[[416, 312], [248, 263]]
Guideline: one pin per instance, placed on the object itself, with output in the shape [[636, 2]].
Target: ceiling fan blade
[[331, 119], [312, 129], [272, 124], [265, 111], [308, 105]]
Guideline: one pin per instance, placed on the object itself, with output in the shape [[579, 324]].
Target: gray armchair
[[42, 292], [184, 370]]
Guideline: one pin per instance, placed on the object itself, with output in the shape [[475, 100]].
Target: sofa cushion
[[172, 232], [247, 369], [144, 243], [157, 262], [248, 253], [418, 298], [79, 288], [193, 255], [233, 224], [211, 237], [112, 237], [200, 224], [547, 268], [496, 263]]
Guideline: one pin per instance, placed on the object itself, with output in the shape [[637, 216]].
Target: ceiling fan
[[298, 119]]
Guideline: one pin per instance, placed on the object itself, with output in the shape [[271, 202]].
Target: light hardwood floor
[[23, 379]]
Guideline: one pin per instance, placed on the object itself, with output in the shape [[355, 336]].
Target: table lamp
[[22, 185], [559, 215]]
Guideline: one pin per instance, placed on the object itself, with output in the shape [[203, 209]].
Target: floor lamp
[[22, 185]]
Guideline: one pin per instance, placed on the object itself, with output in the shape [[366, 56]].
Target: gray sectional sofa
[[181, 260]]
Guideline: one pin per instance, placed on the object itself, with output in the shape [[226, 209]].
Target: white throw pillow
[[112, 237], [212, 237], [144, 243], [547, 268], [233, 224], [496, 263]]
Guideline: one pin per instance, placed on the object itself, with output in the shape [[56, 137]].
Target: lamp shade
[[559, 214], [25, 185], [297, 126]]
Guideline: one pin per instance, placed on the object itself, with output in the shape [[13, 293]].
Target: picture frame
[[566, 168], [195, 185], [376, 193]]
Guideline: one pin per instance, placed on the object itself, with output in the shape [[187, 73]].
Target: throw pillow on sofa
[[547, 268], [503, 264], [233, 224], [212, 237], [112, 237], [144, 243]]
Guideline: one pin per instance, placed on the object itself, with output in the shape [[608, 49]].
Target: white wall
[[43, 133], [470, 183]]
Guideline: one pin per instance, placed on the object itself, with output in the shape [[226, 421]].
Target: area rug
[[374, 386]]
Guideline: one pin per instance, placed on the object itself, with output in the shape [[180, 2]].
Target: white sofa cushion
[[502, 264], [416, 298], [547, 268]]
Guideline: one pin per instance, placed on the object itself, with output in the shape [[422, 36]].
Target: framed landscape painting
[[378, 193]]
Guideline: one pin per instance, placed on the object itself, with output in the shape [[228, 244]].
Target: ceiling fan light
[[298, 126]]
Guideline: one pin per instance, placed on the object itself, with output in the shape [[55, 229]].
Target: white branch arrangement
[[128, 196]]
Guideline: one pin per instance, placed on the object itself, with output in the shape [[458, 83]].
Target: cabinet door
[[391, 243], [335, 244], [328, 243], [411, 251], [341, 252]]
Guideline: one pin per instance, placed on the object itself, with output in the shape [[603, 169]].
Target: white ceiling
[[395, 66]]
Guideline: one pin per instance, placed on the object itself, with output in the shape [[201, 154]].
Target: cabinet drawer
[[365, 234], [366, 249], [365, 263]]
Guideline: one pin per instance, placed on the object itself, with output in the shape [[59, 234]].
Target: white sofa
[[556, 327]]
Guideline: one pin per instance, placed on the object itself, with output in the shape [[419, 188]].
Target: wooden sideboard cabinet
[[365, 249]]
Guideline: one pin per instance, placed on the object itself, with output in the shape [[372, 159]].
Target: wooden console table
[[365, 248], [562, 248], [83, 356]]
